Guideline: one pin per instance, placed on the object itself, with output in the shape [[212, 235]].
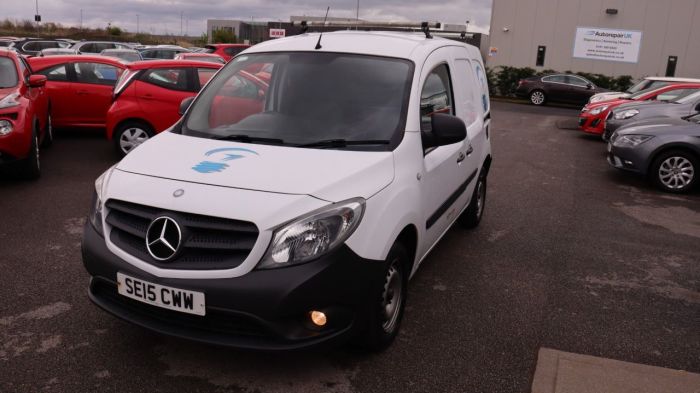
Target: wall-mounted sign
[[607, 44], [493, 51], [278, 33]]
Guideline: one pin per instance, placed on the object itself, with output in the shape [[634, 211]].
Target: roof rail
[[363, 24]]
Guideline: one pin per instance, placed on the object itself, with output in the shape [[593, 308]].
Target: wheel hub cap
[[392, 298], [131, 138], [676, 172]]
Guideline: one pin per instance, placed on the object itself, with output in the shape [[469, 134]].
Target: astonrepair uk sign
[[607, 44]]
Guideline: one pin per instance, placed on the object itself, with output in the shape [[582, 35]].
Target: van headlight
[[95, 215], [313, 235], [624, 115]]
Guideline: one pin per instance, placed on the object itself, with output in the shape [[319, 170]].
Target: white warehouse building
[[611, 37]]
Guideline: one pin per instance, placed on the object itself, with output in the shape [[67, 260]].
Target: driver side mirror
[[589, 86], [185, 105], [445, 130], [36, 81]]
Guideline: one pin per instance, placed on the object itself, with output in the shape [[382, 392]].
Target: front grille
[[215, 321], [208, 243], [595, 123]]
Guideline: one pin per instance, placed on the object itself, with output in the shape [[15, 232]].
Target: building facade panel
[[669, 28]]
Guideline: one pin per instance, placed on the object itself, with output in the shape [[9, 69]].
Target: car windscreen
[[304, 98], [689, 98], [8, 73]]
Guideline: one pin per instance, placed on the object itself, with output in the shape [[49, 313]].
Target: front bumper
[[15, 145], [635, 159], [262, 310], [592, 124], [611, 125]]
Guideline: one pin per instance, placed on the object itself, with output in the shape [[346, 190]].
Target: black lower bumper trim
[[262, 310]]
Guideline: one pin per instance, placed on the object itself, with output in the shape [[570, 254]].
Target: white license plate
[[176, 299]]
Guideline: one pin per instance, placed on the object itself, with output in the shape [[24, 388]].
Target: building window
[[541, 51]]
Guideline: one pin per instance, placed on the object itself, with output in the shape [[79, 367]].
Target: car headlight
[[313, 235], [9, 101], [599, 110], [624, 115], [95, 215], [630, 140], [5, 127]]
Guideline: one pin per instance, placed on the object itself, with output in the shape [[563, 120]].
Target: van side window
[[436, 96]]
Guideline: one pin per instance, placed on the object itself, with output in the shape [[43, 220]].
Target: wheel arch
[[695, 152], [408, 237], [127, 120]]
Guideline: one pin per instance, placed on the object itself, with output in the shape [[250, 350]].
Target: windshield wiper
[[249, 139], [343, 143]]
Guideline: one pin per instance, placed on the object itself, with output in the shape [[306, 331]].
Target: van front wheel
[[387, 305]]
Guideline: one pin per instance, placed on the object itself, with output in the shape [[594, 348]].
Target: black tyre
[[675, 171], [387, 305], [48, 133], [130, 135], [30, 167], [471, 217], [537, 97]]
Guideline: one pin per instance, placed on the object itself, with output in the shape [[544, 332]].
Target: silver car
[[667, 150]]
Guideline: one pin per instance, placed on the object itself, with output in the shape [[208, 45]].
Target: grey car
[[625, 114], [667, 150]]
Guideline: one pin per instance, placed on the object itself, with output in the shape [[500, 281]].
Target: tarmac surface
[[571, 255]]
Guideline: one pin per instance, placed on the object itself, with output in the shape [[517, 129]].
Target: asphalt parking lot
[[571, 255]]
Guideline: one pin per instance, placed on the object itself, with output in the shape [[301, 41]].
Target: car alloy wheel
[[131, 138], [676, 173], [537, 97]]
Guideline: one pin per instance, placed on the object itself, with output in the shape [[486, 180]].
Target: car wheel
[[675, 171], [48, 133], [130, 135], [31, 166], [471, 217], [538, 97], [387, 305]]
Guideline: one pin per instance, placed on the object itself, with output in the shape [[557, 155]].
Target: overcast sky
[[163, 16]]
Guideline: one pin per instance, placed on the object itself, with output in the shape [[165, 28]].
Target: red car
[[25, 123], [80, 87], [209, 57], [147, 98], [593, 116], [227, 51]]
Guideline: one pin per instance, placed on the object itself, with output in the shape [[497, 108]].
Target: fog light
[[5, 127], [318, 318]]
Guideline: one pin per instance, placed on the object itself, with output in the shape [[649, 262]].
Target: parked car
[[210, 57], [96, 47], [593, 116], [298, 225], [128, 55], [147, 99], [56, 52], [80, 87], [25, 119], [226, 51], [5, 43], [667, 150], [160, 52], [32, 46], [629, 113], [648, 83], [565, 88]]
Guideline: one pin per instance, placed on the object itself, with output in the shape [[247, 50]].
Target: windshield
[[8, 73], [304, 98], [689, 98]]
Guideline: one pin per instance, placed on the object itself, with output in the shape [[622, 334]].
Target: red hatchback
[[147, 98], [80, 87], [593, 116], [227, 51], [25, 122]]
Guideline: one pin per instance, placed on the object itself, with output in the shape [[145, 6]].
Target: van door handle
[[461, 157], [470, 150]]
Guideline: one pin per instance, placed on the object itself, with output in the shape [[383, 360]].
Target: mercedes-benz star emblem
[[163, 238]]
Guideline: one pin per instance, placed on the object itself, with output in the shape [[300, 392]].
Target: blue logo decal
[[220, 165]]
